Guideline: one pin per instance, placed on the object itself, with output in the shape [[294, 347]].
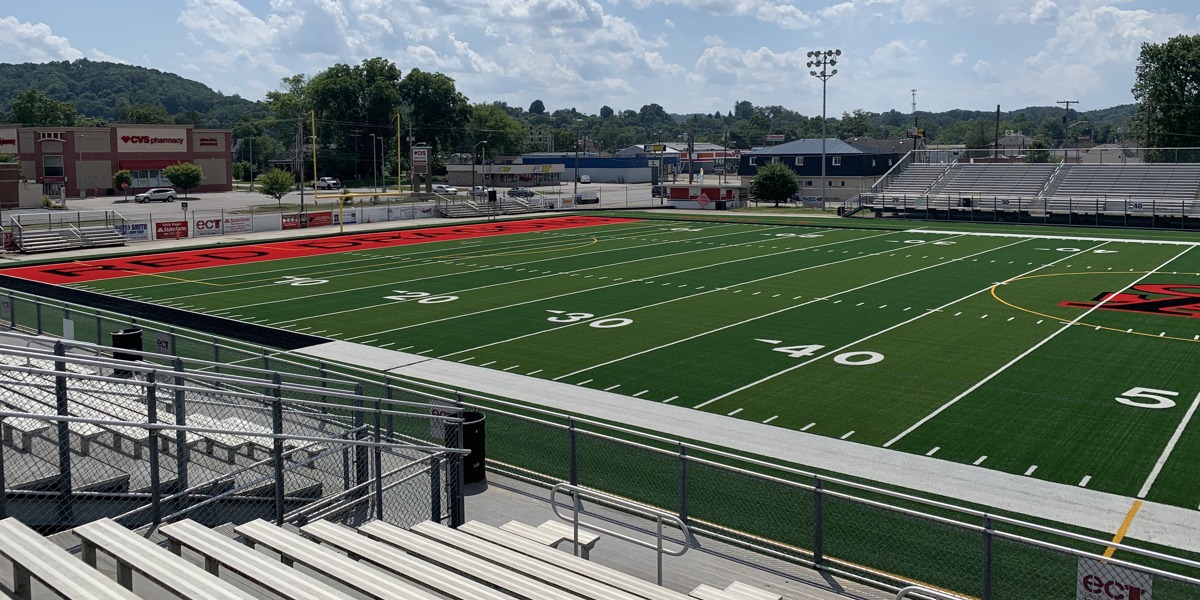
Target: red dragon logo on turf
[[1170, 299]]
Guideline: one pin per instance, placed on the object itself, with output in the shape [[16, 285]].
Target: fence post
[[3, 484], [818, 523], [572, 456], [182, 451], [683, 484], [986, 591], [216, 356], [99, 329], [435, 490], [361, 466], [65, 510], [458, 516], [377, 464], [155, 475], [277, 446], [38, 312]]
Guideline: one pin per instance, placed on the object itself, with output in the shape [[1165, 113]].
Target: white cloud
[[957, 59], [1044, 11], [33, 42], [984, 70], [669, 24]]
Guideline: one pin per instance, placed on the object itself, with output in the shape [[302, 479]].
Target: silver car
[[164, 194]]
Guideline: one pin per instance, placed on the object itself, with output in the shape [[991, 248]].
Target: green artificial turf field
[[1068, 357]]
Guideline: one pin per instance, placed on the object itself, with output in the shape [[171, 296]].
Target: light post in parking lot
[[481, 143], [823, 59]]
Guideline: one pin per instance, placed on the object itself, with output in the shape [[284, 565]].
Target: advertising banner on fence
[[292, 221], [170, 230], [135, 232], [348, 217], [205, 227], [242, 224], [320, 219], [1098, 580]]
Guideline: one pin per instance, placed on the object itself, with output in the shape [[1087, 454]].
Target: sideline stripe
[[1133, 511], [1032, 349], [1162, 460], [1057, 237]]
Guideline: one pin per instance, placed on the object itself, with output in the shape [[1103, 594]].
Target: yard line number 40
[[854, 358]]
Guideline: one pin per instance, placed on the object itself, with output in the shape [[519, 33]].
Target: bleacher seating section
[[320, 560], [1051, 188]]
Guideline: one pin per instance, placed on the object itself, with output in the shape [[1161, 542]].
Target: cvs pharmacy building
[[81, 161]]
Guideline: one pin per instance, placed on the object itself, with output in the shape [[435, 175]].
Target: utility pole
[[354, 133], [996, 142], [691, 150], [1066, 122]]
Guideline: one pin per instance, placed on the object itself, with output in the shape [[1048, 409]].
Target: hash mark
[[612, 387], [805, 428], [735, 411], [535, 372], [584, 382], [466, 359], [1030, 470], [487, 363], [848, 434], [980, 460], [933, 451], [512, 367], [639, 394], [670, 399], [406, 348], [1083, 482], [770, 419]]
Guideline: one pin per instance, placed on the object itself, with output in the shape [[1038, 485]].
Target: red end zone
[[80, 271]]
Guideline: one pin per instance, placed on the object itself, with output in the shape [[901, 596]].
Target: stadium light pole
[[823, 59], [478, 144], [382, 166]]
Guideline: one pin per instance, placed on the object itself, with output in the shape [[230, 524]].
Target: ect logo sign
[[1100, 581], [207, 226]]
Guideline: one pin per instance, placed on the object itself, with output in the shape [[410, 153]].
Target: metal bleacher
[[971, 180]]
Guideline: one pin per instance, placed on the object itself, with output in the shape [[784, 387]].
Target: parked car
[[478, 191], [445, 190], [163, 194], [519, 192], [328, 183], [585, 179]]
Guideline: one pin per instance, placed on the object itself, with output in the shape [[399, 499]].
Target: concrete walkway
[[1157, 523]]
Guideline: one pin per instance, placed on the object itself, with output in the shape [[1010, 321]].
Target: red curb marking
[[110, 268]]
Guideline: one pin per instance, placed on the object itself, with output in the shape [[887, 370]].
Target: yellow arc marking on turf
[[1133, 510], [1093, 325]]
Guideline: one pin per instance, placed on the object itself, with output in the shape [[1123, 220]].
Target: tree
[[537, 108], [504, 134], [1038, 152], [184, 175], [145, 114], [276, 183], [1167, 89], [774, 182], [125, 177], [606, 112], [32, 107], [439, 110]]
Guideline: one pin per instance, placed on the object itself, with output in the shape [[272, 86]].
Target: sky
[[685, 55]]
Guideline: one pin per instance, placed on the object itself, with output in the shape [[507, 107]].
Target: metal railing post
[[277, 447], [182, 450], [361, 466], [683, 484], [986, 584], [3, 483], [377, 463], [65, 510], [152, 448], [37, 306], [572, 452], [818, 522]]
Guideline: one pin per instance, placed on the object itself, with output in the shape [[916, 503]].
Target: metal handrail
[[659, 517], [925, 592]]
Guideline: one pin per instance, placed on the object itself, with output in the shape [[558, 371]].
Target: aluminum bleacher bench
[[480, 569], [35, 557], [538, 569], [608, 575], [708, 592], [553, 533], [743, 591], [133, 552], [361, 578], [392, 560], [219, 551]]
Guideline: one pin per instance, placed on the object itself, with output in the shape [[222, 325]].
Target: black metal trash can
[[127, 339], [475, 440]]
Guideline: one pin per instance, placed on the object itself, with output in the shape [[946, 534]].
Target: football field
[[1070, 358]]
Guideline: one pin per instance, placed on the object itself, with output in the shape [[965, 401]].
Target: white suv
[[164, 194], [328, 183], [445, 190]]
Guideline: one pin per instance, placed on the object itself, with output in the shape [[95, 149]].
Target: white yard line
[[1162, 460], [1031, 350], [744, 321], [1068, 238], [873, 335], [581, 291], [645, 306]]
